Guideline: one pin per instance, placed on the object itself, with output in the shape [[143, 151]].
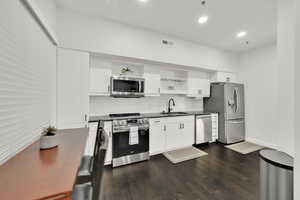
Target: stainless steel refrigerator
[[227, 99]]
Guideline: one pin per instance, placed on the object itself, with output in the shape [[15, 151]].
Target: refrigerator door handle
[[236, 99]]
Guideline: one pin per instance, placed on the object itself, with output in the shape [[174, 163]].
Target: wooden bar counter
[[48, 174]]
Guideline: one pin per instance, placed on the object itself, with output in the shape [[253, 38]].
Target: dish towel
[[134, 135]]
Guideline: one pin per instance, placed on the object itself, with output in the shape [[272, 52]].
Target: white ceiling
[[179, 18]]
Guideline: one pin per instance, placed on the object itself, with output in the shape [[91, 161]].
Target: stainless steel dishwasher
[[203, 129]]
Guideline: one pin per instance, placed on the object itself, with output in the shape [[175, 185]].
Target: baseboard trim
[[263, 143]]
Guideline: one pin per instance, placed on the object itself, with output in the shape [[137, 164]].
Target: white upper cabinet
[[72, 88], [224, 77], [100, 74], [152, 84], [198, 86]]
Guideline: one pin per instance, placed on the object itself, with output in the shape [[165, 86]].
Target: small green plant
[[49, 131], [125, 70]]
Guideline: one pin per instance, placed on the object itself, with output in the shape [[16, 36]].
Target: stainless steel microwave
[[127, 87]]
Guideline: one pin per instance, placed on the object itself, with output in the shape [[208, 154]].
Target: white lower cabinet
[[171, 133], [215, 132], [90, 143], [157, 136], [108, 129], [187, 131]]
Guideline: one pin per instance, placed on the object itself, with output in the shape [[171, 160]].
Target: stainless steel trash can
[[276, 175]]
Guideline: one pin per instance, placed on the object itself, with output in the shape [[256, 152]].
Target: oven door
[[127, 87], [121, 146]]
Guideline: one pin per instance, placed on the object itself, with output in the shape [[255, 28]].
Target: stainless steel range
[[130, 139]]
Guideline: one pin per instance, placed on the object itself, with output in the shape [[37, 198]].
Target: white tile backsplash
[[107, 105]]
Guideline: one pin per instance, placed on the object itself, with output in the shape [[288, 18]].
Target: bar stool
[[85, 168], [91, 190]]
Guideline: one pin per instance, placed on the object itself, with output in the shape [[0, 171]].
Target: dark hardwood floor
[[222, 175]]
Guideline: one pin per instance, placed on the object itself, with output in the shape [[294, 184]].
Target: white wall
[[285, 56], [101, 36], [269, 81], [27, 76], [48, 9], [108, 105], [297, 99], [259, 73]]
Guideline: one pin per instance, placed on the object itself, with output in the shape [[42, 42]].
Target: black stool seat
[[83, 192]]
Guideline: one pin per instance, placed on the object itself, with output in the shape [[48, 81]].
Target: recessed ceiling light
[[203, 19], [241, 34], [143, 1]]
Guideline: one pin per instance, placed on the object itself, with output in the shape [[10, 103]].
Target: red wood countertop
[[34, 174]]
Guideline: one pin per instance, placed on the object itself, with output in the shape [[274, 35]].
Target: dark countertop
[[145, 115]]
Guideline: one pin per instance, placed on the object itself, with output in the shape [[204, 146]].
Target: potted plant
[[49, 138], [125, 70]]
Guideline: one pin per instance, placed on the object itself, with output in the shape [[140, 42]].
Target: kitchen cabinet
[[215, 129], [99, 81], [198, 87], [157, 136], [152, 84], [72, 88], [224, 77], [187, 131], [90, 143], [171, 133], [107, 126]]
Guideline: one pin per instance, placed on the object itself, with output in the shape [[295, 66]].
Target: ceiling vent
[[167, 42]]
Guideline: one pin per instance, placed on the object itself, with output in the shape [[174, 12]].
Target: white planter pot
[[48, 142]]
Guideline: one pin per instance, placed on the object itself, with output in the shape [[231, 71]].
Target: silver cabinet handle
[[85, 117], [108, 88], [165, 128]]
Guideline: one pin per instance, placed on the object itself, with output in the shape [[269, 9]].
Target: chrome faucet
[[169, 105]]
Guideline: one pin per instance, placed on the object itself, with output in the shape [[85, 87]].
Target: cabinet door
[[187, 130], [173, 136], [224, 77], [100, 81], [215, 130], [204, 86], [152, 84], [157, 137], [192, 87], [90, 143], [108, 129], [198, 87], [72, 88]]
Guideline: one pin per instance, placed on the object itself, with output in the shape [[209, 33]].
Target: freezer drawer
[[234, 131]]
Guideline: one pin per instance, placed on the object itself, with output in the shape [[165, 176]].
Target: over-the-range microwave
[[127, 87]]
